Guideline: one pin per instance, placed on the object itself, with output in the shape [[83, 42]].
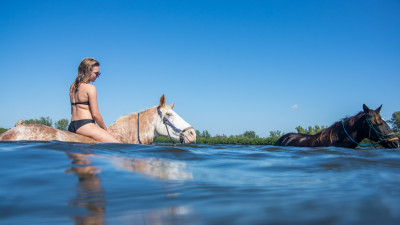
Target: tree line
[[204, 137], [247, 138]]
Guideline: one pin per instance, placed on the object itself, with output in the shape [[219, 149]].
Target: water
[[69, 183]]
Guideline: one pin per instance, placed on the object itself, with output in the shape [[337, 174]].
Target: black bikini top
[[82, 103]]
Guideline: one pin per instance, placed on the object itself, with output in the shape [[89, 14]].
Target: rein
[[364, 145]]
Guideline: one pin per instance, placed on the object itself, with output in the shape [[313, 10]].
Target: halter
[[379, 134], [166, 122], [371, 127]]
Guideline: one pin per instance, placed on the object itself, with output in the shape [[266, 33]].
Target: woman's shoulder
[[87, 86]]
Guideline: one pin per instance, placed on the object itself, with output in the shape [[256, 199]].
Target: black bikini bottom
[[75, 125]]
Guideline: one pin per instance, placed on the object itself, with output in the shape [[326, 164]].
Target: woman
[[84, 108]]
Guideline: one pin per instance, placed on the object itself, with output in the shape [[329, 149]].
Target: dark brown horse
[[347, 133]]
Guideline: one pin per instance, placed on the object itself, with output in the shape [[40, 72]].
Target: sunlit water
[[69, 183]]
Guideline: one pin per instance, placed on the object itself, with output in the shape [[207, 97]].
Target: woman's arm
[[94, 108]]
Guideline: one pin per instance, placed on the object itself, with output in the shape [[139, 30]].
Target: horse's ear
[[162, 101], [172, 106], [378, 110], [366, 109]]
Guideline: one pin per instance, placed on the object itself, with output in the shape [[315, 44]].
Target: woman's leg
[[97, 133]]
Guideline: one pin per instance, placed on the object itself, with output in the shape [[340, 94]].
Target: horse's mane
[[130, 115], [332, 131]]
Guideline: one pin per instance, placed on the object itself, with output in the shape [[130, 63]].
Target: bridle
[[371, 127], [167, 123], [379, 134]]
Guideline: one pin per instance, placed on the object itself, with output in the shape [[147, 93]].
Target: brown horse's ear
[[162, 101], [172, 106], [366, 109], [378, 110]]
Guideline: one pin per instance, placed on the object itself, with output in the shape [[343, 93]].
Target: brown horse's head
[[379, 130]]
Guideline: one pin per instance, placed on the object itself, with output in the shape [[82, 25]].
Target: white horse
[[137, 128]]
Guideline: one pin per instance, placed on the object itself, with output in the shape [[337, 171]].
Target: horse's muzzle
[[188, 136], [391, 143]]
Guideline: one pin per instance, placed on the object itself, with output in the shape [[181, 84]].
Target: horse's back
[[284, 140], [293, 139], [37, 132]]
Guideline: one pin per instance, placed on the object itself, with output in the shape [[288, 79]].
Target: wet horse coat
[[347, 133], [125, 129]]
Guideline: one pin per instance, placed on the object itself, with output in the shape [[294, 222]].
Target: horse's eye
[[169, 114]]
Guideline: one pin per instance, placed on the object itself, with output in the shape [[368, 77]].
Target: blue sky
[[229, 66]]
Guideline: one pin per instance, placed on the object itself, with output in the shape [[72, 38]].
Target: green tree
[[276, 133], [162, 140], [61, 124], [395, 121], [205, 134], [198, 134], [2, 130], [310, 130], [250, 134], [318, 129], [43, 121], [300, 130]]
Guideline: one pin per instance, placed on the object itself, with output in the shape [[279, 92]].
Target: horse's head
[[379, 130], [172, 126]]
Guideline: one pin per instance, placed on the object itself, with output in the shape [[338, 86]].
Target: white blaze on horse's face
[[173, 126]]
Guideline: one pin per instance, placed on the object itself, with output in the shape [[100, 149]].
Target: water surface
[[71, 183]]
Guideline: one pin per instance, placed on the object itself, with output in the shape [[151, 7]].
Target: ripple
[[204, 184]]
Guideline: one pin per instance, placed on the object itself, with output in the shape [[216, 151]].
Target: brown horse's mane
[[332, 131]]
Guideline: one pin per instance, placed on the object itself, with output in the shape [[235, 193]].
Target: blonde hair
[[84, 72]]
